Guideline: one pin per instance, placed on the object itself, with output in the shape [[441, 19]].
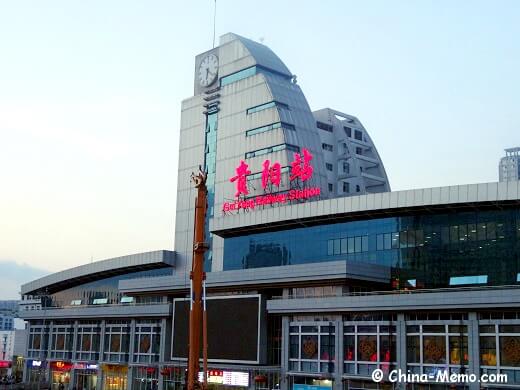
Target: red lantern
[[260, 379]]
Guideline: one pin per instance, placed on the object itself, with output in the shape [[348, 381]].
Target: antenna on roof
[[214, 22]]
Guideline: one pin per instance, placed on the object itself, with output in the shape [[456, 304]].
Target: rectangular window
[[127, 299], [346, 167], [337, 247], [359, 151], [346, 187], [327, 147], [100, 301], [261, 107], [488, 351], [331, 187], [324, 126], [364, 243], [265, 106], [328, 166], [357, 244], [465, 280], [344, 245], [330, 247], [358, 134], [395, 240], [244, 73], [272, 149], [348, 131], [351, 245], [388, 241]]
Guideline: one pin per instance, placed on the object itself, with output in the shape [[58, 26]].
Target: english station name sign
[[301, 169]]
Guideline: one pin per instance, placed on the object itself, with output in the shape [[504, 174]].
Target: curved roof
[[262, 54], [100, 270]]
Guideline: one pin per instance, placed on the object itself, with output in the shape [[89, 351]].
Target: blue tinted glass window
[[436, 250], [238, 76], [466, 280]]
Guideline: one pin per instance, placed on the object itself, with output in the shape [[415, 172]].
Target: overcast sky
[[90, 95]]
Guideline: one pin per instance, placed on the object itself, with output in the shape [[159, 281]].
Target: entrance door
[[86, 380], [115, 381]]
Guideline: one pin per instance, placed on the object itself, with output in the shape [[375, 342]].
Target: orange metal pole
[[196, 281]]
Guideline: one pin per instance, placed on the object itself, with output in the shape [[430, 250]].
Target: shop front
[[145, 378], [115, 377], [85, 376], [60, 374], [5, 367], [35, 371]]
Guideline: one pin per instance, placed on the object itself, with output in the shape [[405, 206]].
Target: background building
[[509, 167], [8, 312]]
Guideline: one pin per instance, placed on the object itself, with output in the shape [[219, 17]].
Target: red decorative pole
[[197, 277]]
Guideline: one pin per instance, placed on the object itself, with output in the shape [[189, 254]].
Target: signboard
[[235, 317], [34, 363], [230, 378], [309, 387], [61, 366], [301, 170], [5, 364], [85, 366]]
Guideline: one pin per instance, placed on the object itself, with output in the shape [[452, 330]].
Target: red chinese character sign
[[272, 174], [241, 178], [301, 168]]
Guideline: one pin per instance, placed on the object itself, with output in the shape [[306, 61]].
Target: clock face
[[208, 70]]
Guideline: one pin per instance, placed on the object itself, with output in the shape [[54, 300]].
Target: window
[[348, 131], [127, 299], [346, 167], [368, 347], [328, 166], [100, 301], [358, 134], [117, 341], [347, 245], [440, 344], [324, 126], [464, 280], [147, 341], [272, 149], [248, 72], [346, 187], [272, 126], [359, 151], [327, 147], [312, 347], [358, 189], [75, 302], [88, 341], [331, 187], [265, 106]]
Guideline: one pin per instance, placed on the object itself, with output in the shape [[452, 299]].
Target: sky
[[90, 95]]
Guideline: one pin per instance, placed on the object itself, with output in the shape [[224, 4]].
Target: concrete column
[[338, 374], [131, 354], [102, 340], [162, 352], [25, 375], [48, 353], [473, 349], [284, 358], [400, 340]]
